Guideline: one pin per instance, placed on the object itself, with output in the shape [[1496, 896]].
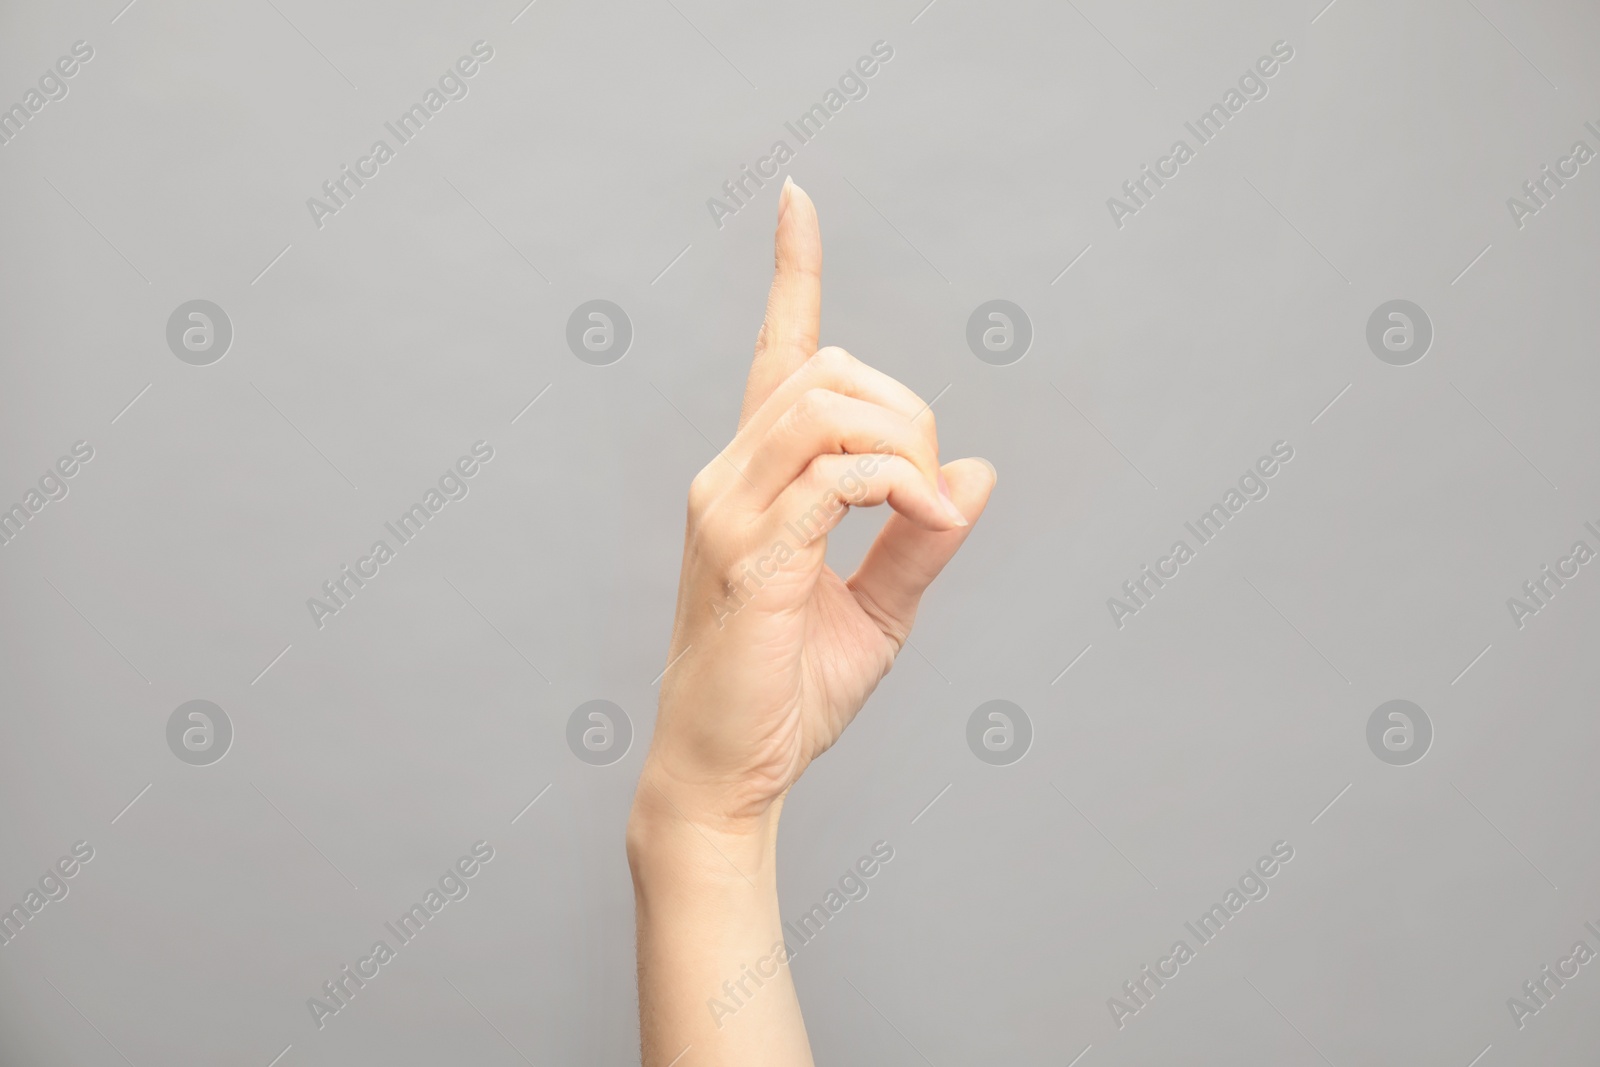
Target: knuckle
[[900, 444], [910, 449], [814, 404], [703, 490], [810, 478], [716, 538], [900, 469], [818, 471], [833, 362], [912, 477]]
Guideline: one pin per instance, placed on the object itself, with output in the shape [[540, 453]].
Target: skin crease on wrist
[[772, 655]]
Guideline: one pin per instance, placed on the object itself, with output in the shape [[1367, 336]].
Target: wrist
[[673, 839], [710, 933]]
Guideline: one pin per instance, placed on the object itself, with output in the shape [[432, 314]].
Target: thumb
[[906, 558]]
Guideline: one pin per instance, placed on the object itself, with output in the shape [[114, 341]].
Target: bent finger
[[818, 500], [908, 556], [834, 368], [822, 422]]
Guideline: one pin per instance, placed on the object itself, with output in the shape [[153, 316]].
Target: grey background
[[374, 351]]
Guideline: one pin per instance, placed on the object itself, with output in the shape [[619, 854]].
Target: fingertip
[[793, 320], [970, 481], [797, 231], [794, 204]]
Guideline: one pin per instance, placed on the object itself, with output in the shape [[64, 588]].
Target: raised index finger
[[790, 330]]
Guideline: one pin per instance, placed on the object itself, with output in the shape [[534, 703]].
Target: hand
[[772, 653]]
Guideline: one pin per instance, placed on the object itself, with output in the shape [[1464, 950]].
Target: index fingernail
[[950, 505]]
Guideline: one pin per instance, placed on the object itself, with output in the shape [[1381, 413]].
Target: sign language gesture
[[772, 652], [772, 656]]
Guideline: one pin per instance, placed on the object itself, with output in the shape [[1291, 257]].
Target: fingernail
[[994, 475], [783, 197], [950, 505]]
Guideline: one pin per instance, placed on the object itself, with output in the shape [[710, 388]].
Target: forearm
[[713, 976]]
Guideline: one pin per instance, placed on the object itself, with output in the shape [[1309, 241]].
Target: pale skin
[[772, 656]]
